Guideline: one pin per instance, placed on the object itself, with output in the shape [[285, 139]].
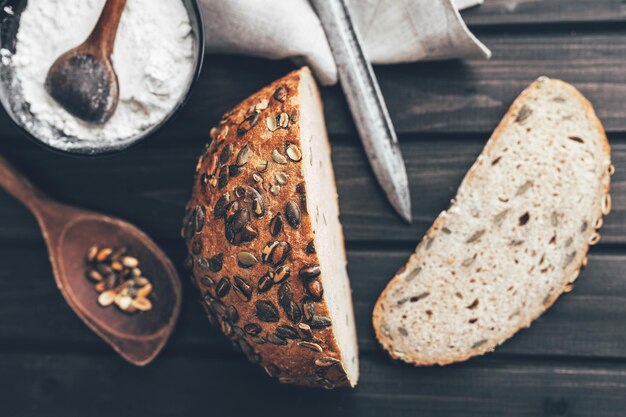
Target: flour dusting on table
[[153, 59]]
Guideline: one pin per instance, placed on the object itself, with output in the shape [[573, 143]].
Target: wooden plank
[[150, 185], [507, 12], [587, 322], [40, 385], [451, 96]]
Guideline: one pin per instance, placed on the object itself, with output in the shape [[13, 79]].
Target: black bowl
[[19, 112]]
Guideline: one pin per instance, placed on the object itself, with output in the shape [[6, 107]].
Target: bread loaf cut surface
[[265, 243], [514, 238]]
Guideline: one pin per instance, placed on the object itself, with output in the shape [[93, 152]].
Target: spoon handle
[[19, 187], [102, 38]]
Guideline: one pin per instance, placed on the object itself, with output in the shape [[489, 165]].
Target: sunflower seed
[[308, 307], [223, 287], [252, 329], [248, 123], [310, 248], [292, 213], [265, 282], [266, 311], [280, 94], [281, 274], [326, 361], [94, 275], [523, 188], [276, 225], [309, 271], [293, 153], [104, 254], [246, 259], [310, 345], [319, 322], [91, 254], [207, 281], [315, 289], [285, 295], [242, 288], [196, 246], [232, 315]]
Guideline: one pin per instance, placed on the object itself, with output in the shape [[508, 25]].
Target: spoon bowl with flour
[[156, 56]]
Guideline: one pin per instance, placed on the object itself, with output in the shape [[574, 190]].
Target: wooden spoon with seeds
[[69, 232], [83, 80]]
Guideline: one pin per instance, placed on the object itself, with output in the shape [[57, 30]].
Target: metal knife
[[366, 103]]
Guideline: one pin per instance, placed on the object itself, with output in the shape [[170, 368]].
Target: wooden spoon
[[69, 232], [83, 80]]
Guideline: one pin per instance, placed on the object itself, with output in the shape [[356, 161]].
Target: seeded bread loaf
[[264, 238], [514, 238]]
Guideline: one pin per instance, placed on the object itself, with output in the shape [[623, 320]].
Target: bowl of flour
[[157, 57]]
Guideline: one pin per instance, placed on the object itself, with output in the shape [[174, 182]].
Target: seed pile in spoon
[[118, 279]]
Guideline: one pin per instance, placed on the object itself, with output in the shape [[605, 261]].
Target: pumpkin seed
[[246, 260], [287, 332], [227, 152], [207, 281], [310, 248], [221, 206], [243, 156], [240, 219]]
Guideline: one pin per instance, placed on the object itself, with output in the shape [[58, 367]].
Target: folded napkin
[[392, 31]]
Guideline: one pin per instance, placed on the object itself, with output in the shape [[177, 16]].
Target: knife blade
[[366, 104]]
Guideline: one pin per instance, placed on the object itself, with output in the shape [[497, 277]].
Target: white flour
[[153, 59]]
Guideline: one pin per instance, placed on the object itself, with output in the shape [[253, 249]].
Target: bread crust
[[580, 259], [280, 323]]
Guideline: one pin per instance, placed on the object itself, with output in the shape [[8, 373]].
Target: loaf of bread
[[265, 243], [514, 238]]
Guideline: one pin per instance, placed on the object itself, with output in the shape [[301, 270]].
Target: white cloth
[[392, 31]]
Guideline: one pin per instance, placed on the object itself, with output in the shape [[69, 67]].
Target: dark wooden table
[[572, 362]]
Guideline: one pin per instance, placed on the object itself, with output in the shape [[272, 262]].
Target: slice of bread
[[265, 244], [514, 238]]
